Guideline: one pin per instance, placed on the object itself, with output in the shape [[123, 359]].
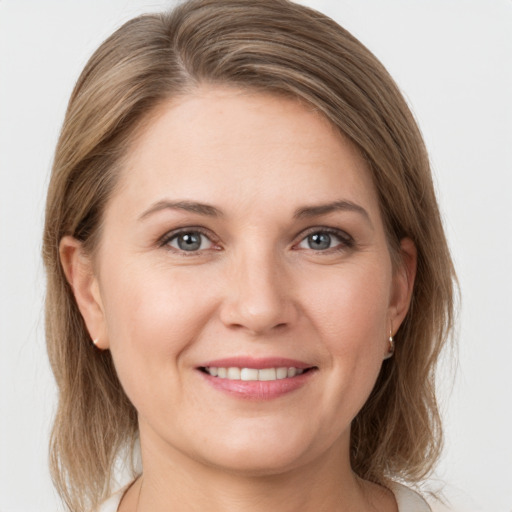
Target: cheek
[[350, 306], [349, 310], [152, 317], [146, 305]]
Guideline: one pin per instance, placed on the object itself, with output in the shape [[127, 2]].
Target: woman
[[247, 270]]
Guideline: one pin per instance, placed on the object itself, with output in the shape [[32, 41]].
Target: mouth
[[254, 374], [257, 378]]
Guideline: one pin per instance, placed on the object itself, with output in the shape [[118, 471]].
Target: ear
[[80, 275], [403, 283]]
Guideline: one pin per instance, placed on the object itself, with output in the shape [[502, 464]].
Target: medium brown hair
[[273, 46]]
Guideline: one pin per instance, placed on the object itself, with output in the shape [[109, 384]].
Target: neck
[[175, 482]]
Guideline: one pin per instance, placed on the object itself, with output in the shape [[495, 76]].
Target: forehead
[[220, 144]]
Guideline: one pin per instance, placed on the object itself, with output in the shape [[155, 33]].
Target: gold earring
[[391, 342]]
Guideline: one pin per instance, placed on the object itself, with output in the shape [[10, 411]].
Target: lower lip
[[257, 389]]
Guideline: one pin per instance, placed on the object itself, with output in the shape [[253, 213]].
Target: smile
[[263, 378], [253, 374]]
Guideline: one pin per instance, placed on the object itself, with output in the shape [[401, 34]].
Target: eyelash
[[346, 241], [168, 237]]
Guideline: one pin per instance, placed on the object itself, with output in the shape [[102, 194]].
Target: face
[[243, 282]]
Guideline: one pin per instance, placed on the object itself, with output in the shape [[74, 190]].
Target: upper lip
[[256, 363]]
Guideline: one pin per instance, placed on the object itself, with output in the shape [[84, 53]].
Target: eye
[[324, 240], [190, 241]]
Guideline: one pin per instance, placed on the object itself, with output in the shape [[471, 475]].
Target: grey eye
[[319, 241], [190, 241], [323, 240]]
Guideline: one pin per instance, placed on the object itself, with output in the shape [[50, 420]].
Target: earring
[[95, 341], [391, 349]]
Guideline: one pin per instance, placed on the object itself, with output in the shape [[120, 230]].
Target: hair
[[276, 47]]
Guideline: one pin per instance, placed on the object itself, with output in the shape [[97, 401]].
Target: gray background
[[452, 59]]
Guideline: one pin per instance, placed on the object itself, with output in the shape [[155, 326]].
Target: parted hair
[[277, 47]]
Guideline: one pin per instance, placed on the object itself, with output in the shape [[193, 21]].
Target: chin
[[255, 462], [261, 453]]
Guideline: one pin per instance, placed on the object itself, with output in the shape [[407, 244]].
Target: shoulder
[[408, 500]]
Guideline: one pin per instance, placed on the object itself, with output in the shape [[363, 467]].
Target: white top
[[406, 499]]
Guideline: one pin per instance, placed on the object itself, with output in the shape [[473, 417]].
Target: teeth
[[248, 374], [263, 374], [282, 373], [233, 373], [267, 374]]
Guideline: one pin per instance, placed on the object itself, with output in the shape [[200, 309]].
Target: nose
[[259, 294]]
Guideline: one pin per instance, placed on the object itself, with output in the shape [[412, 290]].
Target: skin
[[254, 287]]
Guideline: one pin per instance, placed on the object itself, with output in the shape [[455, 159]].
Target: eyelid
[[164, 240], [347, 240]]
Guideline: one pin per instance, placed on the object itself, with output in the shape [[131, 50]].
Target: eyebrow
[[188, 206], [324, 209], [211, 211]]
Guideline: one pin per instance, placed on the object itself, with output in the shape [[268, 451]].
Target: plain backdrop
[[452, 59]]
